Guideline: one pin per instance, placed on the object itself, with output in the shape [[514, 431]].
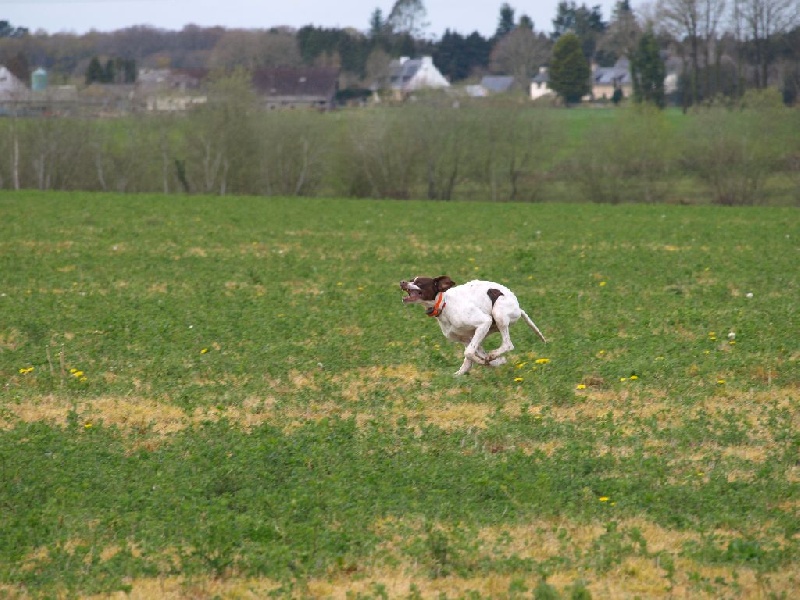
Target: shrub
[[732, 153], [626, 159]]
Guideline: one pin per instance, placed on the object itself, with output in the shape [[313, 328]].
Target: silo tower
[[39, 80]]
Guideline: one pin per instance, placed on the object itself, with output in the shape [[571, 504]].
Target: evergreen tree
[[526, 22], [648, 71], [448, 56], [587, 23], [130, 70], [377, 25], [506, 23], [94, 72], [110, 72], [457, 56], [569, 71], [7, 30], [477, 49]]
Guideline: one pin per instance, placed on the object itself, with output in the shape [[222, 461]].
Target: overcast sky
[[79, 16]]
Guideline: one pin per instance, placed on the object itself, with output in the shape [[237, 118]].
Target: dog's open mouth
[[413, 296], [412, 291]]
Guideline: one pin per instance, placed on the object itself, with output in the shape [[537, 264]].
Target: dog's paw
[[500, 360]]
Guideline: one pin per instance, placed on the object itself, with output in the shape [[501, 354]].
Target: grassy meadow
[[225, 397]]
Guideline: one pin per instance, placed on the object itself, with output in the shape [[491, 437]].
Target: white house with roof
[[11, 88], [411, 74], [606, 80], [540, 84]]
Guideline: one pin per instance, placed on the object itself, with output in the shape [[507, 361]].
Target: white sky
[[80, 16]]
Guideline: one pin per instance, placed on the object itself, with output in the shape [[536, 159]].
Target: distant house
[[490, 84], [107, 98], [312, 87], [182, 80], [408, 75], [171, 90], [540, 84], [11, 88], [497, 84], [605, 80]]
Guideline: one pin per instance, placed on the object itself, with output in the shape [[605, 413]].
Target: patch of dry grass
[[397, 574]]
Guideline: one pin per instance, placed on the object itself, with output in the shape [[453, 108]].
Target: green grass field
[[206, 397]]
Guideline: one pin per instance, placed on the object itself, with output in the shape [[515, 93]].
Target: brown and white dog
[[468, 313]]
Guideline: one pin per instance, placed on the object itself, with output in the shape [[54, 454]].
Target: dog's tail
[[533, 326]]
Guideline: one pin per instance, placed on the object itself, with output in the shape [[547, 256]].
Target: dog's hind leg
[[484, 358], [503, 321]]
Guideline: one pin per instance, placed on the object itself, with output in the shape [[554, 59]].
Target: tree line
[[427, 149], [723, 47]]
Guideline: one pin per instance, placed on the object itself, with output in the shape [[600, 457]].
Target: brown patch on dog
[[493, 295]]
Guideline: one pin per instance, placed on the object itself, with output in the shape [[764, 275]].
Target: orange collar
[[438, 306]]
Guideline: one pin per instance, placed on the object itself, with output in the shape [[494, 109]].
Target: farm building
[[409, 75], [313, 87]]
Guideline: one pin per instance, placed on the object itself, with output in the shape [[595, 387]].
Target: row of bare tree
[[427, 150], [741, 32]]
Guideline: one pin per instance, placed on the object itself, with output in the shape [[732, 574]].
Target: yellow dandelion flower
[[520, 365], [580, 386], [204, 351], [634, 377], [602, 284], [25, 370], [77, 374], [87, 425], [604, 498], [542, 361], [518, 379], [720, 382], [623, 379]]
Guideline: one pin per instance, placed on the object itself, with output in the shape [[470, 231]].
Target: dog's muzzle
[[412, 291]]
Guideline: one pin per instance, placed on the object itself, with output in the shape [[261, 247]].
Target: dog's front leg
[[465, 367], [473, 349]]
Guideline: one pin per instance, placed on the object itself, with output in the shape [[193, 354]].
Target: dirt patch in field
[[392, 393], [124, 412], [661, 572]]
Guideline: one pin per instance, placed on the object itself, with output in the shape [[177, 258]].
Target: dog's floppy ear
[[443, 283]]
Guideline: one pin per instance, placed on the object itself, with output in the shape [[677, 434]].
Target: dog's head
[[425, 289]]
